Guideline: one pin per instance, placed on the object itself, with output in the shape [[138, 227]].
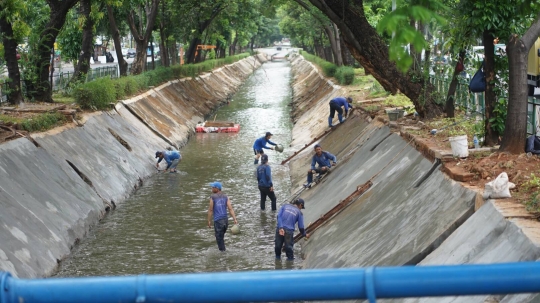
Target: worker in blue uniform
[[335, 106], [172, 157], [260, 145], [217, 210], [288, 216], [266, 186], [324, 160]]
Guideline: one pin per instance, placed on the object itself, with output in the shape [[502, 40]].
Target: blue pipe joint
[[4, 286]]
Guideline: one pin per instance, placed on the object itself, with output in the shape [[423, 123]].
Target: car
[[124, 51], [131, 53], [278, 48]]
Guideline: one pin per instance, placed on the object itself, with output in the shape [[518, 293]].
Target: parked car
[[131, 53]]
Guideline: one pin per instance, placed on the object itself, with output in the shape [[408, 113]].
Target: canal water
[[162, 228]]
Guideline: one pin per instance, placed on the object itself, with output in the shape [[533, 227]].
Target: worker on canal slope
[[219, 204], [322, 158], [264, 179], [288, 216], [335, 106], [172, 157], [260, 144]]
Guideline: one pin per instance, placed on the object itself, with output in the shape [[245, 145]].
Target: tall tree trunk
[[490, 137], [453, 86], [14, 94], [515, 130], [163, 47], [192, 50], [232, 48], [83, 63], [122, 63], [41, 90], [141, 38], [331, 35], [372, 52], [348, 59]]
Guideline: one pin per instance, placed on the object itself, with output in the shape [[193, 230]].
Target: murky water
[[162, 227]]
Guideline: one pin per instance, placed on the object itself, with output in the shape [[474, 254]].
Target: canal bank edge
[[55, 187], [412, 214]]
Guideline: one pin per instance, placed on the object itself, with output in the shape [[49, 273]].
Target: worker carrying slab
[[322, 158], [260, 144], [336, 105]]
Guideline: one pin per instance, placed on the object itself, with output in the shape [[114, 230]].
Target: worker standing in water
[[288, 216], [264, 179], [219, 204], [260, 144], [335, 106]]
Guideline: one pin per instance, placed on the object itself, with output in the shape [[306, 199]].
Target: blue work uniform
[[221, 221], [335, 106], [259, 145], [264, 179], [322, 160], [287, 217], [172, 157]]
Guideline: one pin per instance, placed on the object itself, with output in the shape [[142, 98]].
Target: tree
[[41, 88], [142, 34], [372, 52], [9, 14], [115, 31], [203, 14], [83, 62], [517, 50]]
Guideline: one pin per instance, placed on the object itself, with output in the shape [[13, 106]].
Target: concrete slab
[[396, 222], [487, 237], [46, 208], [111, 168]]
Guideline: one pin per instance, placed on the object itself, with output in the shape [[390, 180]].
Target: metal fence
[[61, 78], [474, 102]]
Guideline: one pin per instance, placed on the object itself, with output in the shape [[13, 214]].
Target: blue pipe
[[320, 284]]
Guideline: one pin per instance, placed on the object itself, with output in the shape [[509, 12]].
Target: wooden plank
[[219, 124]]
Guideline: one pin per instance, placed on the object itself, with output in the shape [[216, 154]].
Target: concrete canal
[[162, 227]]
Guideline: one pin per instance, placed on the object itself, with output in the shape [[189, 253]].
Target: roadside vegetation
[[404, 49]]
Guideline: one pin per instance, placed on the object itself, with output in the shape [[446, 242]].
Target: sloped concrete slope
[[51, 195], [173, 109], [45, 206], [487, 237], [311, 95], [404, 216], [110, 167], [408, 211]]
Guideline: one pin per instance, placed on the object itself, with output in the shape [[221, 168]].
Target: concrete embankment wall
[[52, 190], [411, 215]]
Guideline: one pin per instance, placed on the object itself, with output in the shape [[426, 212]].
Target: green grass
[[398, 100], [63, 98], [41, 122]]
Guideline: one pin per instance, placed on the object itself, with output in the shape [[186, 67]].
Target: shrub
[[42, 122], [97, 94], [345, 75]]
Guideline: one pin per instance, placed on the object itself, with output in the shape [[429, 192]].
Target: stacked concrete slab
[[52, 190]]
